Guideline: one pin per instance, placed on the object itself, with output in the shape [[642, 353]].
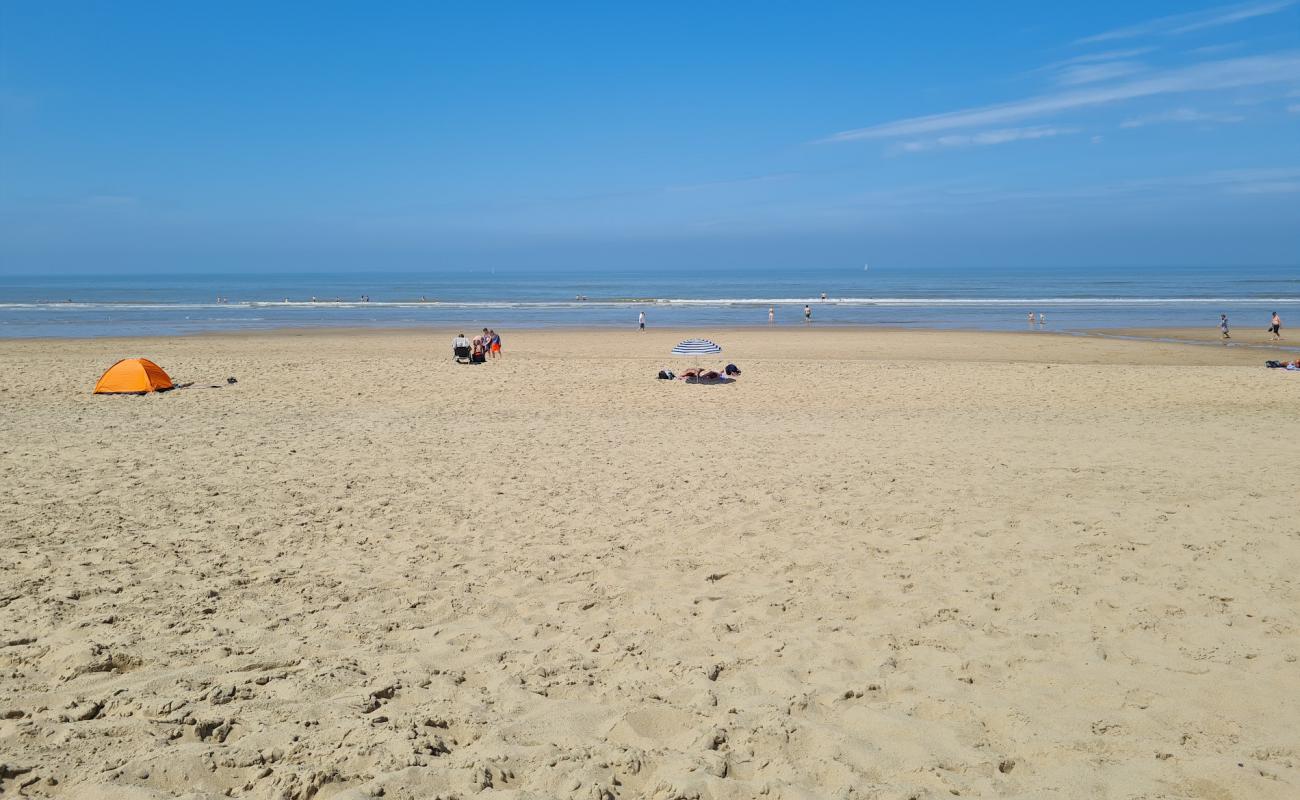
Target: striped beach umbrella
[[696, 347]]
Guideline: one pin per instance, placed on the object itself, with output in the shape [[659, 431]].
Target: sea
[[503, 298]]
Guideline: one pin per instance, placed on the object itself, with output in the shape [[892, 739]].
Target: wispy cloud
[[1105, 55], [964, 194], [1206, 76], [695, 187], [1194, 21], [1294, 109], [984, 138], [1180, 115], [1266, 187], [1096, 72], [112, 201], [1263, 180]]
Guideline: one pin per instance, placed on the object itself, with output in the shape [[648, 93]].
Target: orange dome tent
[[133, 376]]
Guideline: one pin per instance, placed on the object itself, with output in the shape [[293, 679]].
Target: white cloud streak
[[984, 138], [1105, 55], [1265, 180], [1194, 21], [1180, 115], [1206, 76], [1096, 72], [1266, 187]]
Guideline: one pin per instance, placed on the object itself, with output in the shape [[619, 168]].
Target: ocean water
[[988, 299]]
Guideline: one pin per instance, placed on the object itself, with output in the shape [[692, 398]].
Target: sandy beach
[[882, 564]]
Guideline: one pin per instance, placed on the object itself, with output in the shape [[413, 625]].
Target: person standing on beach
[[1276, 327], [640, 320], [1223, 326], [807, 314], [771, 315], [494, 346]]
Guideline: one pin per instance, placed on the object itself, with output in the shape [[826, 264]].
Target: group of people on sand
[[479, 349], [1274, 327]]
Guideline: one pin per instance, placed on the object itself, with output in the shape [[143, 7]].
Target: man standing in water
[[807, 314], [771, 315]]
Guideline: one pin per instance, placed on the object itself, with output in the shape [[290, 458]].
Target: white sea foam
[[719, 301]]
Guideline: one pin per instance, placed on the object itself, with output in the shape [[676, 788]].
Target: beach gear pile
[[700, 347], [1294, 366]]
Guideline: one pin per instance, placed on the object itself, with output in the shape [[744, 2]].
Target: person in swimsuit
[[496, 344], [771, 315], [1223, 326], [1276, 327], [807, 314]]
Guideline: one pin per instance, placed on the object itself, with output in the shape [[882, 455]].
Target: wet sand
[[1255, 337]]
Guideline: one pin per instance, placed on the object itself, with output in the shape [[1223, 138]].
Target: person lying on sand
[[704, 376]]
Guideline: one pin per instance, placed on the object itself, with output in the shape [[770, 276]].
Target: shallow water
[[990, 299]]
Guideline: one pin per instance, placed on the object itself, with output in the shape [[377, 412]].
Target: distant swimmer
[[1223, 326], [823, 295], [1042, 318], [771, 315]]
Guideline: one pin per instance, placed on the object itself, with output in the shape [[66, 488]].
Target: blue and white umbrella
[[696, 347]]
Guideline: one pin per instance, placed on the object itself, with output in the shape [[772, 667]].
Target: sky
[[230, 136]]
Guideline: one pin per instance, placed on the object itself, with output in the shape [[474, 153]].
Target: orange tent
[[133, 376]]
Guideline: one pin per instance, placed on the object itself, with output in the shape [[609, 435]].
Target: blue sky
[[226, 136]]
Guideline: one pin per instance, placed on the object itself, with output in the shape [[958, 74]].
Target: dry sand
[[880, 565]]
